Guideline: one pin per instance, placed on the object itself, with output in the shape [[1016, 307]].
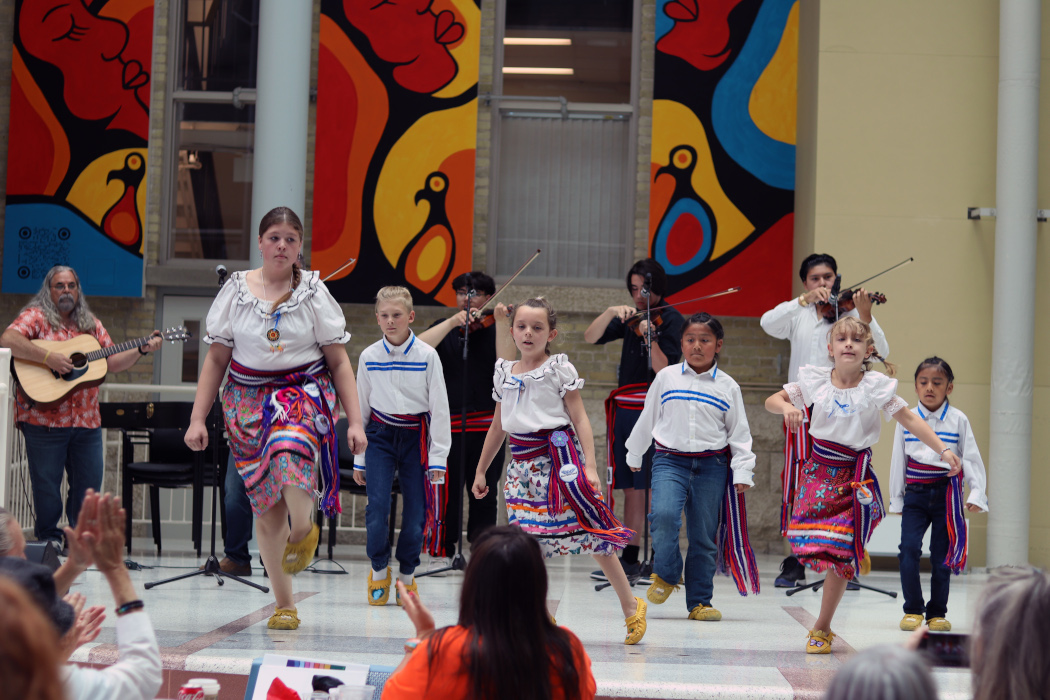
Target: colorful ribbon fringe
[[735, 556], [958, 543], [567, 482], [865, 516], [436, 494], [284, 427], [796, 451]]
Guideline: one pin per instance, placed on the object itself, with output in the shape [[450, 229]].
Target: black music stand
[[211, 566]]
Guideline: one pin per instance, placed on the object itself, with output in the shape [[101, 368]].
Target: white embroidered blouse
[[309, 320], [849, 417], [533, 400]]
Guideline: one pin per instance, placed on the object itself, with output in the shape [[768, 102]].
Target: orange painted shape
[[459, 207], [348, 82], [660, 192], [38, 150], [421, 270]]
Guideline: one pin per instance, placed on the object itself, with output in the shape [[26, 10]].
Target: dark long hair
[[513, 649]]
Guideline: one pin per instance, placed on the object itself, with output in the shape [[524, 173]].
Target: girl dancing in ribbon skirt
[[552, 486], [284, 333], [838, 503], [921, 488]]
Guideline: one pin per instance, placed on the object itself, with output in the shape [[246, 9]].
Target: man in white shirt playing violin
[[66, 435]]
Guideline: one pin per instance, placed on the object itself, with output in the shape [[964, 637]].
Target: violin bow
[[731, 290], [889, 269], [477, 312], [348, 263]]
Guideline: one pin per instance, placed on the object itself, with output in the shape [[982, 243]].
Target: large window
[[210, 148], [564, 139]]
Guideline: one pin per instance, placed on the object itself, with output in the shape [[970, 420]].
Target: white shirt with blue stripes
[[953, 428], [690, 412], [405, 379]]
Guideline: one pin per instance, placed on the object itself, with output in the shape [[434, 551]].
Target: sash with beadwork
[[735, 556], [630, 397], [567, 482], [919, 473], [868, 510], [285, 427], [436, 494], [796, 451]]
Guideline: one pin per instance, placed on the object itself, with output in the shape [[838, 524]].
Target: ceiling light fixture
[[535, 41], [517, 70]]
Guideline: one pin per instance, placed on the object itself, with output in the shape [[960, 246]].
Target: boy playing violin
[[489, 338], [801, 321], [624, 404]]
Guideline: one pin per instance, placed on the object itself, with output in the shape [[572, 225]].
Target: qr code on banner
[[40, 249]]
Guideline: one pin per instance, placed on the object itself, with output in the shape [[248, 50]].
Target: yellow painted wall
[[902, 112]]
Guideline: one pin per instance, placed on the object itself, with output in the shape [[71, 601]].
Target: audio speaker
[[43, 553]]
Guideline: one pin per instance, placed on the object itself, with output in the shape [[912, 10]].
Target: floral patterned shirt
[[80, 408]]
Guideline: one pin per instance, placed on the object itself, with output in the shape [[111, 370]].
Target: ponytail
[[297, 277], [891, 369]]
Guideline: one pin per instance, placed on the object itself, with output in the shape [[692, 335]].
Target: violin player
[[625, 403], [802, 321], [488, 337]]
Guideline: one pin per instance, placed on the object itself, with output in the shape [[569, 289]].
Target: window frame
[[544, 108]]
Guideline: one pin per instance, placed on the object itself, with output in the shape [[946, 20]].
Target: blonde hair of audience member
[[29, 649], [400, 295], [1011, 639], [886, 672], [850, 324]]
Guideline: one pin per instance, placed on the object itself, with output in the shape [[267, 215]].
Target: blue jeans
[[925, 505], [696, 485], [238, 516], [50, 451], [394, 450]]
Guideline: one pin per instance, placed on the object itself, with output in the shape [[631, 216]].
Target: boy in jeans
[[405, 410]]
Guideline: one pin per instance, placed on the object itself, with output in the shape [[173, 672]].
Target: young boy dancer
[[405, 410]]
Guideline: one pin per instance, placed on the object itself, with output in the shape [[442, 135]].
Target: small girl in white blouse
[[552, 486], [838, 503]]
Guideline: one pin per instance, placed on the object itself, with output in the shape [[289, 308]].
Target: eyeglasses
[[61, 287]]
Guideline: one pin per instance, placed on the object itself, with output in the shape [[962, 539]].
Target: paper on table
[[300, 679]]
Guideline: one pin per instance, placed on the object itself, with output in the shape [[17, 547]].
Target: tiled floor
[[756, 651]]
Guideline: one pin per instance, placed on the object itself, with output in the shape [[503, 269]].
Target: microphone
[[647, 286], [220, 270]]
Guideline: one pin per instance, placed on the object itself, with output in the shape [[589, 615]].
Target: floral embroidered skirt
[[525, 491], [822, 524], [267, 468]]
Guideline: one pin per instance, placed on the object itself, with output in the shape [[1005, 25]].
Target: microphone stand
[[211, 566], [648, 340], [459, 562]]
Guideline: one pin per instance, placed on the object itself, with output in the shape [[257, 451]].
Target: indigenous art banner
[[722, 198], [396, 136], [77, 137]]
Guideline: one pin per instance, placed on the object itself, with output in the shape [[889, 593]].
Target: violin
[[656, 318], [484, 319], [843, 302]]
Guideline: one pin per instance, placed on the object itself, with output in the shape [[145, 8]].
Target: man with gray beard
[[66, 436]]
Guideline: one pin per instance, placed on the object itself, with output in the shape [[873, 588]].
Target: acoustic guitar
[[46, 387]]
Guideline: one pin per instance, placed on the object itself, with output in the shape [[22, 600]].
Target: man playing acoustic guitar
[[66, 435]]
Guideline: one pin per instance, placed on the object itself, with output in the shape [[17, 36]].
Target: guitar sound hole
[[79, 360]]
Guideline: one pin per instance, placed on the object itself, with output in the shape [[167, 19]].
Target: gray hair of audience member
[[1008, 650], [6, 543], [886, 672], [81, 314]]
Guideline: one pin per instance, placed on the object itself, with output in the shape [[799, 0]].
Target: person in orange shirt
[[505, 645]]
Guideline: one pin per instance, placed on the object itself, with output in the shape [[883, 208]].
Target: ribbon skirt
[[830, 526], [548, 496]]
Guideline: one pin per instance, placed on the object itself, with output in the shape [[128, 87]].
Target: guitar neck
[[114, 349]]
